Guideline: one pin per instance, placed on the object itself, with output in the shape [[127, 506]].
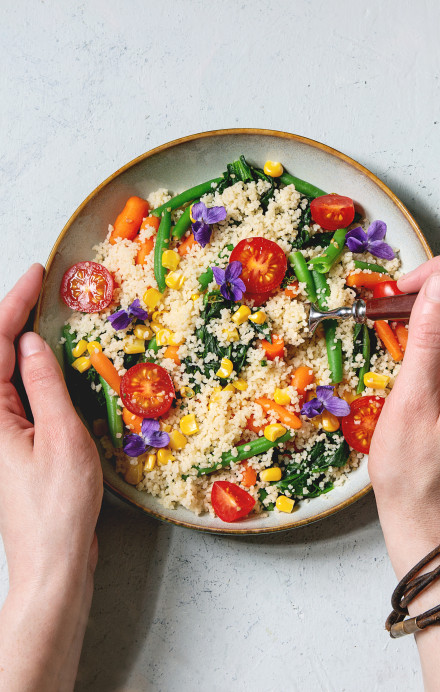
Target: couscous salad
[[189, 351]]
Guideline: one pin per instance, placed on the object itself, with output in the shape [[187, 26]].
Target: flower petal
[[337, 406], [226, 291], [149, 426], [237, 289], [233, 270], [159, 439], [197, 211], [312, 408], [134, 445], [119, 320], [324, 392], [202, 232], [219, 275], [355, 245], [214, 215], [379, 248], [136, 310], [377, 231]]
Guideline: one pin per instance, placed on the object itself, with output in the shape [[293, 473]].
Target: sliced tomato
[[147, 390], [264, 264], [87, 287], [386, 289], [358, 426], [230, 502], [332, 211]]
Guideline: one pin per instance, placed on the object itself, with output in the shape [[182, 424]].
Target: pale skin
[[51, 490]]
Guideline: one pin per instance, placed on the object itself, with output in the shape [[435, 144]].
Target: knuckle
[[426, 334], [42, 376]]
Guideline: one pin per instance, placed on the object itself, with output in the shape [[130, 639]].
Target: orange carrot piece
[[287, 417], [186, 245], [275, 349], [132, 422], [365, 279], [250, 425], [292, 290], [144, 250], [302, 378], [153, 221], [249, 475], [129, 220], [106, 369], [389, 339], [401, 332], [171, 353]]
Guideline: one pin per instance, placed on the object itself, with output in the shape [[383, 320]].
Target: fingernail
[[432, 288], [31, 343]]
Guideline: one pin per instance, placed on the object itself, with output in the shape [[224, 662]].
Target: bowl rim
[[224, 133]]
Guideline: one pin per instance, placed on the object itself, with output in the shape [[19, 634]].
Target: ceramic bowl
[[179, 165]]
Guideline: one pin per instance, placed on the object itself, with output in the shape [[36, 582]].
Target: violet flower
[[357, 240], [123, 318], [325, 401], [231, 286], [152, 436], [203, 220]]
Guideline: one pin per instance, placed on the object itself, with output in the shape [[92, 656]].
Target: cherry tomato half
[[147, 390], [332, 211], [385, 289], [264, 264], [358, 426], [87, 287], [230, 502]]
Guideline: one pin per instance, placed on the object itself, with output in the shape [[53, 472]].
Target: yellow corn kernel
[[195, 296], [273, 168], [156, 326], [241, 315], [165, 427], [284, 504], [269, 475], [152, 298], [226, 368], [80, 348], [165, 337], [164, 456], [100, 427], [170, 259], [229, 388], [281, 396], [329, 422], [273, 431], [187, 392], [190, 213], [258, 317], [349, 397], [215, 398], [174, 280], [150, 463], [188, 424], [316, 421], [133, 474], [231, 334], [134, 346], [81, 364], [142, 332], [177, 440], [240, 384], [94, 346], [376, 381]]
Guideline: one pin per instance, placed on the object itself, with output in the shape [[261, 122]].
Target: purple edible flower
[[152, 436], [371, 241], [123, 318], [203, 220], [231, 286], [325, 400]]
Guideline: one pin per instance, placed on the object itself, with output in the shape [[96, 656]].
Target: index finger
[[414, 280], [14, 312]]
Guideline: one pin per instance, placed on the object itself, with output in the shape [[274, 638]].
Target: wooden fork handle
[[390, 308]]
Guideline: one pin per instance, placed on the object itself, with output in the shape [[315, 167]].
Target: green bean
[[162, 242], [322, 289], [206, 278], [114, 418], [153, 345], [334, 346], [370, 265], [244, 451], [69, 344], [187, 196], [302, 186], [324, 262], [366, 356], [184, 222], [303, 274]]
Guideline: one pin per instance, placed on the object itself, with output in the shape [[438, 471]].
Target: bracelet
[[407, 589]]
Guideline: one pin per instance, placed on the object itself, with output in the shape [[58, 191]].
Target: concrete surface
[[85, 87]]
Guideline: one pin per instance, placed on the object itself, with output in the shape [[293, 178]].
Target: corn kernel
[[133, 474], [240, 384], [81, 364], [226, 368], [150, 463], [329, 422], [134, 346], [156, 326], [188, 424], [190, 213], [100, 427], [187, 392], [80, 348], [152, 298], [231, 334], [229, 388], [142, 332], [195, 296], [170, 259], [273, 431], [165, 427], [177, 440], [165, 337], [241, 315], [164, 456], [158, 314], [269, 475], [258, 317], [215, 398], [375, 381], [284, 504], [273, 168], [349, 397], [281, 396], [316, 421], [174, 280]]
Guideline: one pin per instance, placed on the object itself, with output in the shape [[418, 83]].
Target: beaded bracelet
[[407, 589]]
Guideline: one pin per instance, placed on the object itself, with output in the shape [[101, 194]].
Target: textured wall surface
[[85, 87]]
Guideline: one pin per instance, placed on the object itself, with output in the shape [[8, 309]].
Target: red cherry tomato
[[87, 287], [230, 502], [147, 390], [385, 289], [358, 426], [264, 264], [332, 211]]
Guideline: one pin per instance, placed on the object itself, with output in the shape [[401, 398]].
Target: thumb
[[44, 382]]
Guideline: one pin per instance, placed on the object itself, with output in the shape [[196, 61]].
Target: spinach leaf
[[303, 235]]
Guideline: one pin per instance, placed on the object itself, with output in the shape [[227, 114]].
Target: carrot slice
[[249, 475], [389, 339], [275, 349], [401, 332], [250, 425], [171, 353], [144, 250], [186, 245], [285, 416], [129, 220], [106, 369], [302, 378], [365, 279], [132, 422], [292, 290]]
